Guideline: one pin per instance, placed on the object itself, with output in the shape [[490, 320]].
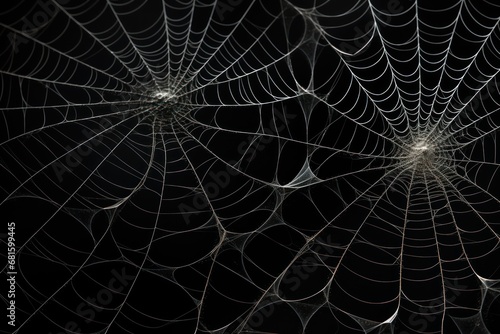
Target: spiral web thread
[[253, 166]]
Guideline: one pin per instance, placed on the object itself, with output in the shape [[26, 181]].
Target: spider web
[[252, 166]]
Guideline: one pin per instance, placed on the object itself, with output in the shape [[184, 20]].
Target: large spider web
[[252, 166]]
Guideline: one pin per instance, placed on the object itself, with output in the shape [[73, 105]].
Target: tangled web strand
[[252, 166]]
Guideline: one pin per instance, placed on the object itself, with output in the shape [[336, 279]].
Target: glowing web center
[[165, 95], [421, 155], [420, 146], [166, 104]]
